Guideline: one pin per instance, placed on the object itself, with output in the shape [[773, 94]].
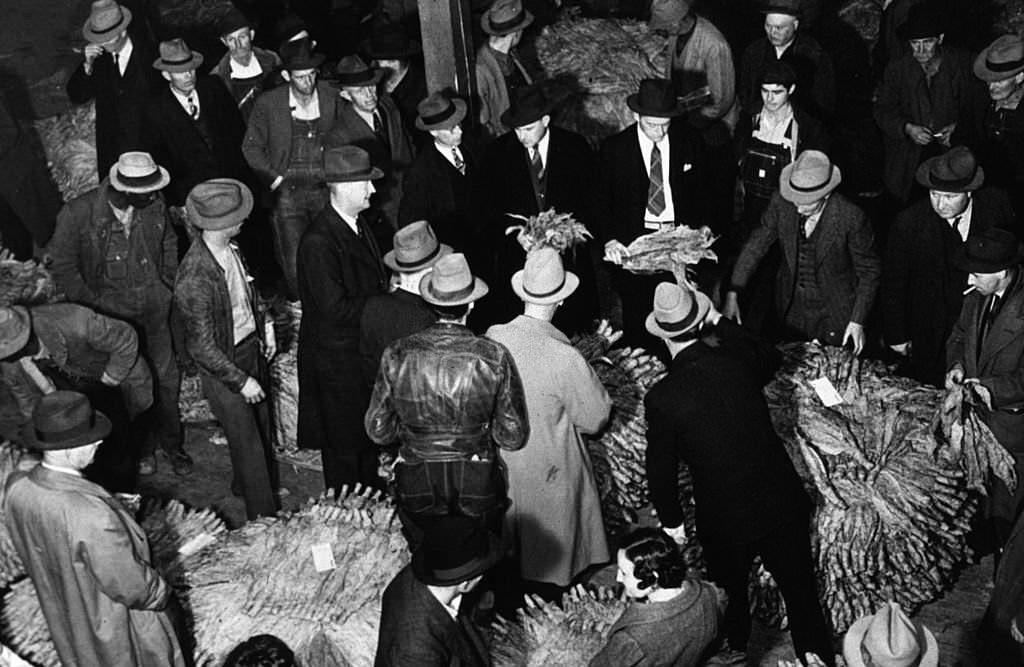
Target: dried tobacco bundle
[[673, 249], [548, 229], [69, 140], [26, 283]]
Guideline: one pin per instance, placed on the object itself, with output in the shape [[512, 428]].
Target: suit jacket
[[815, 75], [90, 564], [922, 291], [245, 94], [710, 413], [848, 268], [385, 319], [120, 99], [194, 151], [434, 190]]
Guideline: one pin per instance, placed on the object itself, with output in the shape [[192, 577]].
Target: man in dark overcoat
[[922, 289], [710, 412], [340, 268]]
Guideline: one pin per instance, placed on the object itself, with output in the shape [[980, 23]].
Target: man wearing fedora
[[396, 314], [246, 69], [890, 637], [922, 289], [228, 337], [284, 147], [555, 517], [924, 93], [531, 169], [115, 250], [710, 412], [499, 70], [340, 268], [986, 350], [117, 73], [450, 399], [73, 536], [425, 614], [439, 184], [405, 81], [649, 176], [826, 282]]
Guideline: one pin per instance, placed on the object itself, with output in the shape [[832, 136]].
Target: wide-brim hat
[[451, 283], [390, 44], [922, 22], [505, 17], [232, 20], [353, 72], [106, 21], [455, 549], [297, 55], [527, 104], [415, 248], [343, 164], [1001, 59], [808, 178], [892, 639], [956, 170], [219, 203], [439, 112], [64, 420], [175, 56], [544, 280], [136, 171], [657, 98], [15, 328], [677, 310], [990, 251], [791, 7]]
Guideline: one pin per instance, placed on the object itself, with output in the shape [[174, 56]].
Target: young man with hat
[[555, 520], [115, 250], [72, 535], [391, 50], [889, 637], [986, 351], [450, 399], [424, 617], [922, 289], [815, 74], [340, 268], [924, 94], [531, 169], [710, 412], [648, 176], [284, 147], [826, 282], [228, 336], [246, 69], [117, 73], [388, 317], [499, 70]]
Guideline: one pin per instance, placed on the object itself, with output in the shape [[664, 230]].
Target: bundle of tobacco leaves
[[548, 229], [673, 249], [69, 141], [27, 283]]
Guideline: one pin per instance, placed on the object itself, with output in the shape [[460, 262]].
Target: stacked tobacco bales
[[69, 141]]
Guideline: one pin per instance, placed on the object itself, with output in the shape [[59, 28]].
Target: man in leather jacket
[[450, 399]]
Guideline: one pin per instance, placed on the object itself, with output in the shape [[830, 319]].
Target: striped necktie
[[656, 190]]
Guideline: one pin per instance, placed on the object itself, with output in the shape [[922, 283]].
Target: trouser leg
[[165, 416], [729, 567]]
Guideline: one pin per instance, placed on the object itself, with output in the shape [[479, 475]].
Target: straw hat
[[136, 171]]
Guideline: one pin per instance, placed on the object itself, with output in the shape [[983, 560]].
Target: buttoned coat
[[385, 319], [245, 95], [434, 190], [90, 564], [25, 184], [555, 515]]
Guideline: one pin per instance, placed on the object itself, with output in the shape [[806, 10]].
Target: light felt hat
[[136, 171], [808, 178], [676, 310], [1001, 59], [175, 56], [219, 203], [15, 328], [544, 280], [891, 639], [415, 248], [106, 21], [451, 283], [505, 17]]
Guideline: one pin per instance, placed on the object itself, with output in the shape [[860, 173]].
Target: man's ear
[[792, 89], [942, 36], [285, 75], [166, 75]]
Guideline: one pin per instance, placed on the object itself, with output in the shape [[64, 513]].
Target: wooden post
[[448, 54]]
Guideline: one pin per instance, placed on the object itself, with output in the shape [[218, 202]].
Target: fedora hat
[[505, 17], [136, 171], [808, 178], [416, 248], [297, 55], [677, 310], [1001, 59], [890, 639], [451, 283], [655, 97], [289, 29], [438, 111], [354, 72], [233, 20], [544, 280], [791, 7], [15, 328], [389, 44], [667, 15], [455, 549], [175, 56], [106, 21], [990, 251], [527, 104], [219, 203], [64, 420], [922, 22], [343, 164], [956, 170]]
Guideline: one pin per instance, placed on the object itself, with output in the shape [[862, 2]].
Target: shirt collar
[[352, 223], [66, 471], [125, 54], [245, 71], [310, 112]]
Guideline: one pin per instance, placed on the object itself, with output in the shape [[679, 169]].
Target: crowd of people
[[381, 208]]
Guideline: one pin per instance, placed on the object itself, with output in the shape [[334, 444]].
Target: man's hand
[[1015, 632], [954, 376], [713, 316], [678, 533], [615, 252], [109, 381], [983, 392], [731, 307], [92, 52], [271, 340], [919, 134], [902, 349], [854, 334], [252, 392]]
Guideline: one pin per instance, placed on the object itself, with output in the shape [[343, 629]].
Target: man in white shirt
[[246, 70]]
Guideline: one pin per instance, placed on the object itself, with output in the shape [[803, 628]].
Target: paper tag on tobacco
[[195, 544], [323, 557], [826, 392]]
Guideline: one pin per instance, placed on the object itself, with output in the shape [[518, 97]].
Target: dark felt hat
[[349, 163], [297, 55], [791, 7], [390, 43], [233, 20], [439, 112], [175, 56], [656, 97], [527, 104], [455, 549], [956, 170], [354, 72], [219, 203], [64, 420], [991, 251], [922, 22]]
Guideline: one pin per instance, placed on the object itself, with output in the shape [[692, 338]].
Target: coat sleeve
[[721, 76], [957, 338], [169, 250], [895, 284], [662, 465], [80, 86], [118, 339], [256, 145], [510, 425], [586, 399], [887, 112], [620, 651], [335, 300], [195, 301], [381, 420], [866, 265], [64, 250], [757, 245]]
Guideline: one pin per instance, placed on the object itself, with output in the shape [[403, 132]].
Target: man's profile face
[[183, 82], [363, 98], [780, 28], [530, 135], [239, 44], [353, 196], [654, 128], [986, 283], [1004, 88], [948, 205]]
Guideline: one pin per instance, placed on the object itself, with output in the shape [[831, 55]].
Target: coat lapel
[[828, 231], [1006, 327]]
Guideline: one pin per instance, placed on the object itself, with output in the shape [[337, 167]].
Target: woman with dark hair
[[672, 620]]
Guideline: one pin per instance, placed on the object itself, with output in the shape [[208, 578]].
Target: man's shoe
[[181, 462], [147, 465]]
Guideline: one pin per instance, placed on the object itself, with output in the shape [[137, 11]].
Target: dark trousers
[[297, 205], [164, 418], [786, 553], [248, 431]]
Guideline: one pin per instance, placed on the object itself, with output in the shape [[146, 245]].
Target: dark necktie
[[380, 128], [460, 164], [991, 311], [656, 190], [956, 225], [193, 110], [536, 163], [804, 229], [117, 63]]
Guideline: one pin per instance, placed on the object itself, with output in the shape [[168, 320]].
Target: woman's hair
[[655, 558], [261, 651]]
